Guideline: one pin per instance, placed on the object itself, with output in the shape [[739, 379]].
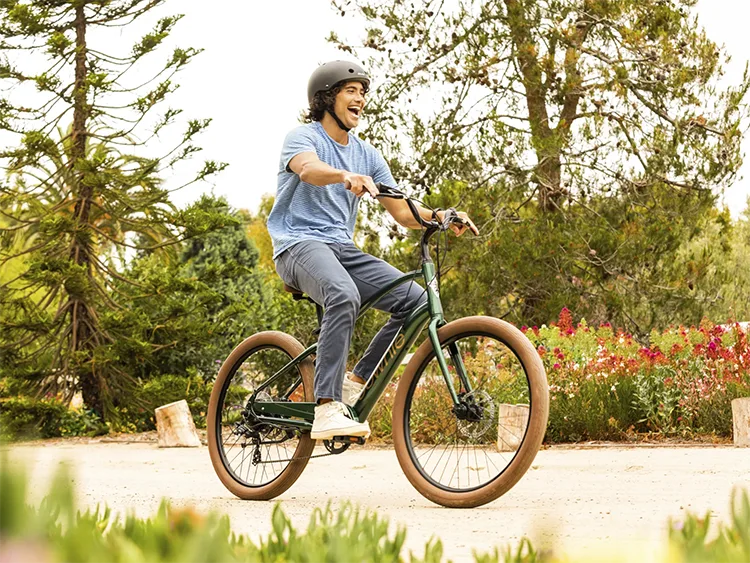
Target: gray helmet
[[327, 75]]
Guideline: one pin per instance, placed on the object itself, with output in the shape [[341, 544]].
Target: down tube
[[393, 357]]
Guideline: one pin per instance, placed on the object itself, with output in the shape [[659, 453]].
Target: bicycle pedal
[[360, 440]]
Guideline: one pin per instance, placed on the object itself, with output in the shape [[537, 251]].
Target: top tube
[[367, 305]]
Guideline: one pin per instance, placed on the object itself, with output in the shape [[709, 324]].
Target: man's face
[[350, 102]]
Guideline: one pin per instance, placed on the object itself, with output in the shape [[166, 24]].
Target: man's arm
[[399, 210], [312, 170]]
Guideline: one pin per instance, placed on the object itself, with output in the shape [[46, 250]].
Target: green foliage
[[694, 540], [25, 418], [161, 390], [56, 530], [189, 306]]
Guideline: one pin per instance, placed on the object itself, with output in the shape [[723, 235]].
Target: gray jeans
[[340, 277]]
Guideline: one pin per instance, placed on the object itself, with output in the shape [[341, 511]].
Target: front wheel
[[469, 455]]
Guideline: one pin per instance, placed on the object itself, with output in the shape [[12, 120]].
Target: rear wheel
[[255, 460], [473, 454]]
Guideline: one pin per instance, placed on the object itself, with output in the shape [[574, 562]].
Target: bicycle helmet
[[329, 74]]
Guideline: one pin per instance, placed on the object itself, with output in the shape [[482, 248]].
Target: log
[[741, 422], [175, 426], [511, 426]]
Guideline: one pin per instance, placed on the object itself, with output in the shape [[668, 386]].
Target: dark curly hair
[[324, 100]]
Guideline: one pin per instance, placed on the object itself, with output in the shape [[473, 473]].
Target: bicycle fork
[[438, 320]]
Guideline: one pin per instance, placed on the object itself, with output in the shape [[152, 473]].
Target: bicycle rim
[[256, 454], [467, 451]]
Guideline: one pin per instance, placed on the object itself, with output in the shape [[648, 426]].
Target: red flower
[[565, 322]]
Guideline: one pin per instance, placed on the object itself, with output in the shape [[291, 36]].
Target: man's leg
[[313, 267], [371, 274]]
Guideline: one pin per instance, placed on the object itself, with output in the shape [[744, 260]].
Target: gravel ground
[[573, 500]]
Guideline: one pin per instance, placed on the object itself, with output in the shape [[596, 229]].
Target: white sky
[[252, 80]]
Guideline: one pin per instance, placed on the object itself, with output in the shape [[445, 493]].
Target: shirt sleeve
[[381, 171], [298, 140]]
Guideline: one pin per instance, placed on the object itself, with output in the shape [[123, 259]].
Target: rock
[[741, 422], [511, 426], [175, 426]]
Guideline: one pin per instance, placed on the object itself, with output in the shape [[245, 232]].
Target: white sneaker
[[334, 419], [351, 390]]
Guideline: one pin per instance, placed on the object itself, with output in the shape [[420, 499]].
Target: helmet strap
[[335, 117]]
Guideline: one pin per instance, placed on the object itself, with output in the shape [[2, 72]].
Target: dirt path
[[573, 500]]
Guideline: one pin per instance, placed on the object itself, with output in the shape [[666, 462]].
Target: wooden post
[[511, 426], [741, 422], [175, 426]]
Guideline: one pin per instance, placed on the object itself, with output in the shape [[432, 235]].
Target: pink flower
[[556, 366]]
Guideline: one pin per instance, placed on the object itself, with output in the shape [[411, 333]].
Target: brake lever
[[452, 216], [387, 191]]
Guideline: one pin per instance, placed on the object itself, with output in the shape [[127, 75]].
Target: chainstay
[[299, 458]]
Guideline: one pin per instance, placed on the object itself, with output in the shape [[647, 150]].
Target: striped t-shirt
[[302, 211]]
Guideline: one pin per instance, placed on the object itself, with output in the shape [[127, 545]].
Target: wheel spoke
[[447, 447], [243, 465]]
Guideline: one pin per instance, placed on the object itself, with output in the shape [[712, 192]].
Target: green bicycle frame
[[286, 413], [301, 414]]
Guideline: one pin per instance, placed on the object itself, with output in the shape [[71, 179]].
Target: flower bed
[[604, 385]]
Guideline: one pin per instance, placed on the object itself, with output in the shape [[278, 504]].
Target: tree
[[190, 309], [588, 136], [81, 197]]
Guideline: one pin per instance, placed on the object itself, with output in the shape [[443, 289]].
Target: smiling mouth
[[355, 111]]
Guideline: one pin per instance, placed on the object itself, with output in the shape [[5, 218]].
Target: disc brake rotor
[[481, 403]]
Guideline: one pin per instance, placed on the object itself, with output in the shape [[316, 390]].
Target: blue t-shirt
[[325, 213]]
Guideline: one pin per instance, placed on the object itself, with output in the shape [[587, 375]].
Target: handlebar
[[450, 216]]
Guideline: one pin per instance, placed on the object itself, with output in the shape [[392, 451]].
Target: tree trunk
[[741, 422], [83, 322], [175, 426], [544, 139], [548, 179]]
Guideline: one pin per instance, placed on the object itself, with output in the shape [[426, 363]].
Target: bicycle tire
[[538, 411], [286, 478]]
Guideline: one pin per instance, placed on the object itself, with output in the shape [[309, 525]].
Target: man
[[323, 172]]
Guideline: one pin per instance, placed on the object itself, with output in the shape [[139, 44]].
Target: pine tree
[[80, 195]]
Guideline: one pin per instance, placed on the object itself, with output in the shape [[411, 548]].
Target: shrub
[[57, 531], [688, 538], [605, 385], [27, 418], [159, 391]]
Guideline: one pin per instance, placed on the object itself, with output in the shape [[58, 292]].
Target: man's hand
[[458, 228], [360, 184]]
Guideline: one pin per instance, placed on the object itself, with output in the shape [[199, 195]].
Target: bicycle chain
[[295, 459], [256, 455]]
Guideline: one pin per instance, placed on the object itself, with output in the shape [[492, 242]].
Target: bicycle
[[483, 398]]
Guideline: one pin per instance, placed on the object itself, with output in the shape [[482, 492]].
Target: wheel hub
[[475, 413]]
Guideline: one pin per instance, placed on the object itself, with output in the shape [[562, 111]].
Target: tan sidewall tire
[[539, 389], [305, 446]]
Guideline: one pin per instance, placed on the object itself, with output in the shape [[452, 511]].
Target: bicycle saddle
[[293, 290]]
